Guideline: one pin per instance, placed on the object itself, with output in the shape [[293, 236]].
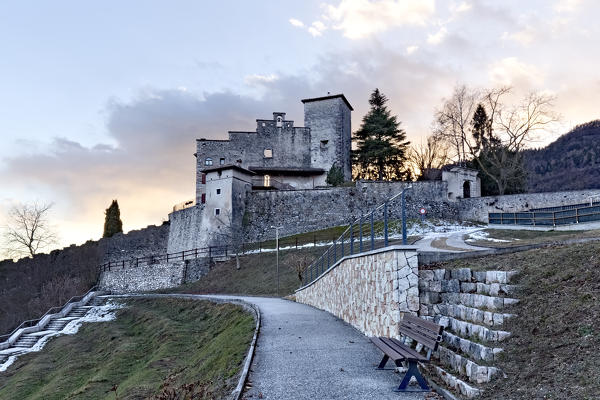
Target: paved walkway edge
[[239, 389]]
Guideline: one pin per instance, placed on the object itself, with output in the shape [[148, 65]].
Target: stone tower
[[329, 121]]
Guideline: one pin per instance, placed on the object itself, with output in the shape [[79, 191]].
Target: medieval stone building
[[280, 155]]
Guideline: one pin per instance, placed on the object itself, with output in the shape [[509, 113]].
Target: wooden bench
[[427, 333]]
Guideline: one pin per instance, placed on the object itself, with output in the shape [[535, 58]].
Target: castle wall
[[299, 211], [329, 123], [477, 209]]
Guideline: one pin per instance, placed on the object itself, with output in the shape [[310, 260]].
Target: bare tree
[[28, 230], [509, 128], [453, 120], [513, 128], [428, 157]]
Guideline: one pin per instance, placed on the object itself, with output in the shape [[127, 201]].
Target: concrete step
[[488, 303], [453, 382], [474, 351], [469, 330], [464, 367], [471, 314]]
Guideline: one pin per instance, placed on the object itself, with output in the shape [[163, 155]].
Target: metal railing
[[204, 252], [53, 310], [383, 226], [552, 216], [267, 181]]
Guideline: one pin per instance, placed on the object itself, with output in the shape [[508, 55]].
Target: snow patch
[[95, 314], [483, 235]]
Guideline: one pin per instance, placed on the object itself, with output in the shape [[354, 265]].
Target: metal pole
[[351, 240], [372, 232], [360, 247], [403, 217], [277, 244], [385, 224]]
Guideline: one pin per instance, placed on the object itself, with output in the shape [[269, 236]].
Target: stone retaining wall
[[371, 291], [151, 277]]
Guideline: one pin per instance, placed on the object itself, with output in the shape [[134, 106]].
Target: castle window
[[279, 121], [268, 153], [217, 211], [324, 143], [218, 191], [208, 161]]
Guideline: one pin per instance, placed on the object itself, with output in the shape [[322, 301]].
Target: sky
[[104, 100]]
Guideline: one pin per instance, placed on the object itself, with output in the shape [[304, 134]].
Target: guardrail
[[369, 232], [552, 216], [33, 322], [204, 252]]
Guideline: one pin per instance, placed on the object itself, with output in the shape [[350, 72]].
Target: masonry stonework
[[151, 277], [371, 291]]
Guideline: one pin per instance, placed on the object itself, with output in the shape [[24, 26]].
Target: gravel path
[[305, 353]]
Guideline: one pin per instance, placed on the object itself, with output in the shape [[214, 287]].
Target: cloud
[[567, 6], [511, 71], [257, 79], [411, 49], [437, 37], [524, 37], [297, 23], [317, 28], [362, 18]]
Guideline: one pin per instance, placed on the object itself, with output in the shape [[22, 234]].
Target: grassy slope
[[152, 343], [257, 274], [522, 237], [553, 353]]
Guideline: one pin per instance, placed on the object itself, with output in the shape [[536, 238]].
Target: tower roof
[[333, 96]]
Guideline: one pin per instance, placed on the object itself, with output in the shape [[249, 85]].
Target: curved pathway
[[447, 242], [306, 353]]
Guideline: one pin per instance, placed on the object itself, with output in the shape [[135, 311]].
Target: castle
[[281, 156]]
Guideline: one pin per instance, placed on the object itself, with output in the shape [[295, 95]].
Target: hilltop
[[572, 162]]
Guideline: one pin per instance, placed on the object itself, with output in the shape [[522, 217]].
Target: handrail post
[[342, 252], [372, 231], [328, 262], [360, 245], [385, 224], [334, 252], [351, 240], [403, 205]]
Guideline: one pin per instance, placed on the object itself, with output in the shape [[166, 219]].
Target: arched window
[[466, 190], [279, 121], [208, 161]]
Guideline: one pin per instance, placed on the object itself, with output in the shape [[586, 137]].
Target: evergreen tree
[[112, 220], [481, 128], [381, 146], [335, 176]]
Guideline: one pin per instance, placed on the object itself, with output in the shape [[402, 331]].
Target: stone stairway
[[471, 305], [28, 340]]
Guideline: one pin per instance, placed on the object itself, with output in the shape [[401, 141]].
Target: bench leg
[[384, 360], [413, 370]]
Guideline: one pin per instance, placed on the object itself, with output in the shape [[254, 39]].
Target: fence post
[[209, 252], [553, 218], [403, 205], [328, 262], [372, 231], [342, 252], [334, 252], [385, 224], [123, 264], [167, 257], [314, 240], [351, 240], [577, 215], [360, 247], [296, 243]]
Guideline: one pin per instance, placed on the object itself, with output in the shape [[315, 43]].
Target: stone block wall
[[472, 307], [299, 211], [371, 291], [477, 209], [151, 277], [151, 240]]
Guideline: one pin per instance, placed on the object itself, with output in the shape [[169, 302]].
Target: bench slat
[[389, 351], [432, 326], [415, 335], [409, 354]]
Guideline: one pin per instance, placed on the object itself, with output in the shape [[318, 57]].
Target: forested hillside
[[572, 162]]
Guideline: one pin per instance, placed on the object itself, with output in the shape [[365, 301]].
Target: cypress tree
[[381, 146], [112, 220]]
